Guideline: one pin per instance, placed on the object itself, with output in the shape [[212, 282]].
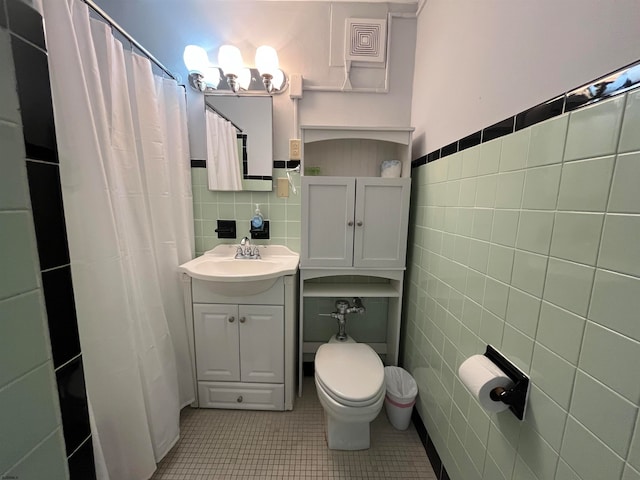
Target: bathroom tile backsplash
[[538, 255], [208, 207]]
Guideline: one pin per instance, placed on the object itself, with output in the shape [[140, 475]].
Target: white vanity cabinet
[[244, 355], [354, 222], [239, 343]]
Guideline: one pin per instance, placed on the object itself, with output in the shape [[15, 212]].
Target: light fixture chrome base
[[233, 83], [266, 80], [197, 82]]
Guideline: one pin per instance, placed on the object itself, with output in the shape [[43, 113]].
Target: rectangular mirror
[[252, 117]]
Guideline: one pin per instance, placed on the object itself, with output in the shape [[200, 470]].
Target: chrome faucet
[[245, 250]]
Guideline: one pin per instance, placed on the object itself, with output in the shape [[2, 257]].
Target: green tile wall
[[31, 441], [283, 213], [531, 242]]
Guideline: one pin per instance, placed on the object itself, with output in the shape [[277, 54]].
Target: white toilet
[[349, 380]]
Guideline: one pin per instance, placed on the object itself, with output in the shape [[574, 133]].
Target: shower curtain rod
[[113, 24]]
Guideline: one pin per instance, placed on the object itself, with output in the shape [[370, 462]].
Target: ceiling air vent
[[366, 40]]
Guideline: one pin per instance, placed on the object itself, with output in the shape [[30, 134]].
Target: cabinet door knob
[[239, 399], [232, 319], [243, 319], [350, 223], [359, 223]]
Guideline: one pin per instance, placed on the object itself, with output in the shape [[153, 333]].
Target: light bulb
[[244, 78], [212, 77], [230, 60], [195, 58], [267, 60], [278, 80]]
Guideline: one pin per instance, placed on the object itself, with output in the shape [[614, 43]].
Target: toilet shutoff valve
[[343, 307]]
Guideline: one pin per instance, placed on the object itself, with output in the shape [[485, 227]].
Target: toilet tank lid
[[352, 371]]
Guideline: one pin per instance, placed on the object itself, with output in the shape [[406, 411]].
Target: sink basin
[[239, 277]]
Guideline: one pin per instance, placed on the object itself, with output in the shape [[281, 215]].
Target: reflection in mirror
[[251, 118]]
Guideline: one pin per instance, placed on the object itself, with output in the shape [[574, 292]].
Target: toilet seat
[[350, 373]]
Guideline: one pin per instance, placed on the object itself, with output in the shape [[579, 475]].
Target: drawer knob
[[239, 399], [359, 223], [243, 319], [232, 319], [350, 223]]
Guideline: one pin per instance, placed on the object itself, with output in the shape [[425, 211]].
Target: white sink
[[239, 277]]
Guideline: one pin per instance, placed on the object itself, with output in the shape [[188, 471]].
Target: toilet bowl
[[349, 380]]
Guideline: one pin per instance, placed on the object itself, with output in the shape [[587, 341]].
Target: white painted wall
[[480, 62], [301, 33]]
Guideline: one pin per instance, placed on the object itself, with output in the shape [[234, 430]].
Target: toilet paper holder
[[516, 397]]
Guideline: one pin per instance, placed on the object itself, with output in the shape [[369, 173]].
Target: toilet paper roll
[[480, 375]]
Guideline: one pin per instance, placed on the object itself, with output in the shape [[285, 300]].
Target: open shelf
[[349, 290]]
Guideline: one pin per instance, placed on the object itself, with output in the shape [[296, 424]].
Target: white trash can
[[401, 396]]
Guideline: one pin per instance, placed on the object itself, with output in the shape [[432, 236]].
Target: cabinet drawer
[[255, 396]]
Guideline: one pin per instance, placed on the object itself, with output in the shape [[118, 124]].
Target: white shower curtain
[[124, 166], [223, 164]]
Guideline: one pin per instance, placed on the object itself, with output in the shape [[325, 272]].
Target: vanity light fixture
[[231, 74], [230, 61], [201, 73], [267, 64]]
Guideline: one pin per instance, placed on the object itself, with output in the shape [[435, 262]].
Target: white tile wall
[[548, 249]]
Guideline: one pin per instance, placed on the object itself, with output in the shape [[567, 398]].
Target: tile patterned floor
[[233, 444]]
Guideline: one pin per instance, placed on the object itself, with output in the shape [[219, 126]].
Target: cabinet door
[[327, 221], [381, 221], [216, 336], [262, 343]]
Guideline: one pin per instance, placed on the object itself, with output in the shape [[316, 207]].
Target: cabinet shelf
[[350, 290]]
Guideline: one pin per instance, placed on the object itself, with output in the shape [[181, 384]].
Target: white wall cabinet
[[354, 225], [244, 355], [354, 222]]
